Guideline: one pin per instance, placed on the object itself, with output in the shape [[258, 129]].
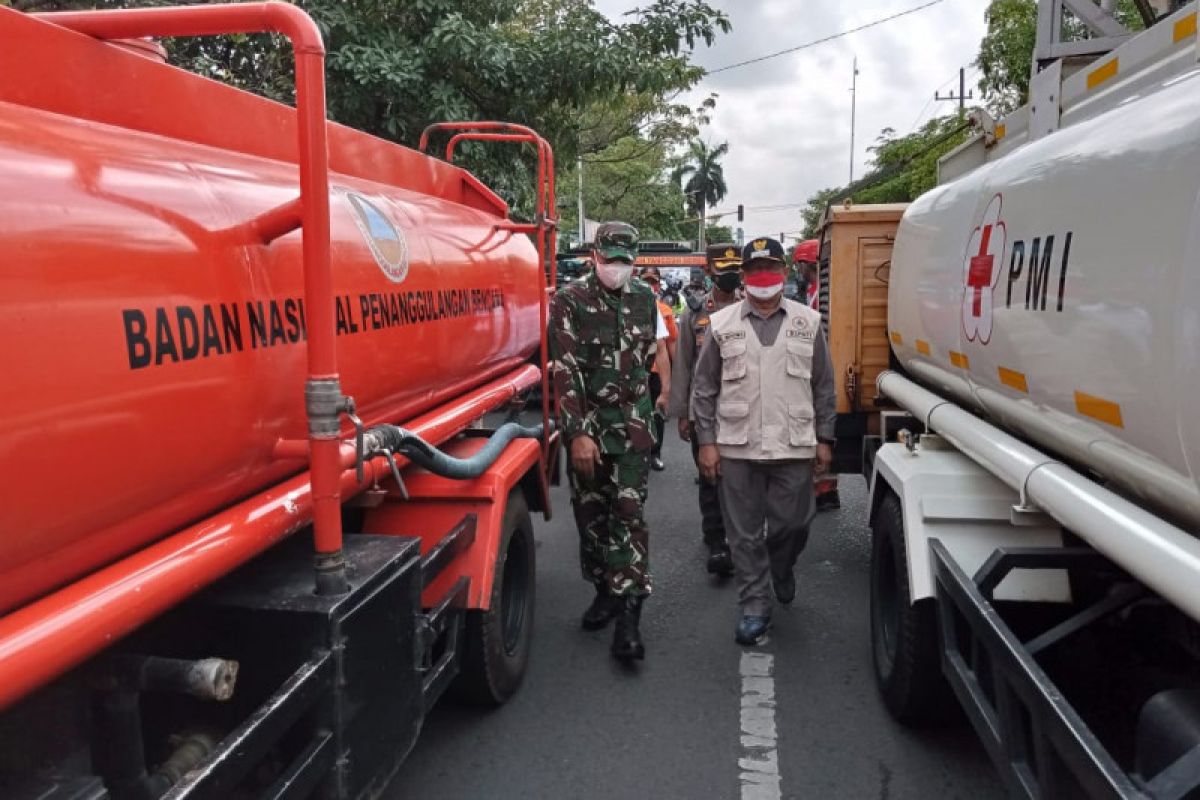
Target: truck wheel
[[904, 636], [496, 650]]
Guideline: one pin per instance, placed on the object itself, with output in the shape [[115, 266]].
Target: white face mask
[[614, 276]]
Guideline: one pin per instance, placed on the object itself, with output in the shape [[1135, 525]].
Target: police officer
[[723, 265], [764, 407], [604, 328]]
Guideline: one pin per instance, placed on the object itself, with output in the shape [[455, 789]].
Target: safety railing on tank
[[544, 229]]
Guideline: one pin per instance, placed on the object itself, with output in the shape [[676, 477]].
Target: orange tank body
[[156, 346]]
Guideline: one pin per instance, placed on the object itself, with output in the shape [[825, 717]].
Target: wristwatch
[[830, 442]]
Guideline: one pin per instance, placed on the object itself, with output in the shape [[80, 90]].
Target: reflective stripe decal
[[1185, 27], [1014, 380], [960, 360], [1098, 408], [1103, 73], [923, 347], [897, 338]]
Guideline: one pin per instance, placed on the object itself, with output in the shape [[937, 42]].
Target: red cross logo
[[980, 276]]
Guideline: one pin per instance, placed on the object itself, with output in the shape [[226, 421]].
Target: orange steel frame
[[44, 639], [544, 228]]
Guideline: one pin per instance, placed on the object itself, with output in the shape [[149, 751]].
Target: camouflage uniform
[[601, 347]]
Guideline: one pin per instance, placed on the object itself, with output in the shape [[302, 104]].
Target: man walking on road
[[665, 351], [723, 264], [764, 407], [604, 328]]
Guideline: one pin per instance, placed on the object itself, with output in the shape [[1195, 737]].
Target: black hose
[[423, 454]]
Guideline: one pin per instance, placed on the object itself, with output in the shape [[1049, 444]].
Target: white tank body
[[1093, 351]]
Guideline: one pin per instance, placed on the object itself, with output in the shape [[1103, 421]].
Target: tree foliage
[[1006, 52], [394, 66], [701, 167], [902, 168]]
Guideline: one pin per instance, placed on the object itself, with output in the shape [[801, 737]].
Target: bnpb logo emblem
[[981, 272], [385, 240]]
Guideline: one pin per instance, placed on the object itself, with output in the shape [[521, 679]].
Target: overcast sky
[[787, 119]]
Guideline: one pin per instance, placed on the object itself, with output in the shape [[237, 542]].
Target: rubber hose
[[423, 454]]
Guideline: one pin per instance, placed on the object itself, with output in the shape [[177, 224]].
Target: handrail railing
[[544, 228]]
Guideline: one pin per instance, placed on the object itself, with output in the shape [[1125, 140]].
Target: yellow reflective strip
[[1106, 411], [922, 347], [897, 338], [1101, 74], [1014, 380], [960, 360], [1185, 27], [1000, 131]]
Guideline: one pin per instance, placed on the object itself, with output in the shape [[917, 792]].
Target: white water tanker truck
[[1034, 464]]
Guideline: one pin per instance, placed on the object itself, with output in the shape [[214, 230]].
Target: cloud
[[787, 119]]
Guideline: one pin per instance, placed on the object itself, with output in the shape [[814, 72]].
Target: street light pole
[[853, 108], [579, 169]]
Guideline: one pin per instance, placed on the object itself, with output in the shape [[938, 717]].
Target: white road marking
[[758, 765]]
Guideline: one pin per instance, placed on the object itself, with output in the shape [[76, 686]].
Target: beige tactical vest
[[765, 408]]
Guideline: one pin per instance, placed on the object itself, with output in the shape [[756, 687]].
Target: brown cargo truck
[[856, 253]]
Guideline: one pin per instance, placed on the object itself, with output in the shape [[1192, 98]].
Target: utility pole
[[962, 96], [853, 107], [579, 169]]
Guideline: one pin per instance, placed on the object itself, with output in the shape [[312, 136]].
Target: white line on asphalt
[[759, 762]]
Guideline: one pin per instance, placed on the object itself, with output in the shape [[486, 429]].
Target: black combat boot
[[720, 560], [627, 639], [602, 609]]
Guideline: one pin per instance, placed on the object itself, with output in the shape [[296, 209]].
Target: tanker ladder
[[1061, 616]]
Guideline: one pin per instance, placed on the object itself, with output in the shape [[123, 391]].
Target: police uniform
[[693, 331]]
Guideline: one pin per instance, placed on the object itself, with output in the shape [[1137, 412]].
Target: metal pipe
[[44, 639], [1160, 555]]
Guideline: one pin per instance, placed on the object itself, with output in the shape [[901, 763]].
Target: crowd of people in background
[[746, 373]]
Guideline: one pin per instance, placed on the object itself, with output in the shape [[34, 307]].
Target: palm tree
[[705, 185]]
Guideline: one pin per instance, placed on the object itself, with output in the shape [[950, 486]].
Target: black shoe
[[657, 464], [627, 639], [752, 630], [720, 560], [829, 501], [602, 609], [785, 588]]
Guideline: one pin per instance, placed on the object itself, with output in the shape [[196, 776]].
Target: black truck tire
[[904, 635], [497, 641]]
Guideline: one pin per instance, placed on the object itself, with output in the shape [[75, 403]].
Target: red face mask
[[763, 285]]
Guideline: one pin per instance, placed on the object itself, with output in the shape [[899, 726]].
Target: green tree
[[628, 181], [394, 66], [902, 169], [718, 233], [1006, 52], [815, 208], [701, 167]]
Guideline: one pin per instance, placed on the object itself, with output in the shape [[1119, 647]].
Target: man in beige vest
[[764, 408]]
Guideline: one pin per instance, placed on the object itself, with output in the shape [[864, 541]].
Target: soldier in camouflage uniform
[[604, 328]]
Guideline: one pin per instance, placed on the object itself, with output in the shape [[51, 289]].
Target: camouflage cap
[[723, 255], [617, 241]]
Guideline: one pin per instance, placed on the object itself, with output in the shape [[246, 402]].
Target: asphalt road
[[799, 718]]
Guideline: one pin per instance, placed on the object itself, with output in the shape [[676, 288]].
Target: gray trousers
[[777, 496]]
